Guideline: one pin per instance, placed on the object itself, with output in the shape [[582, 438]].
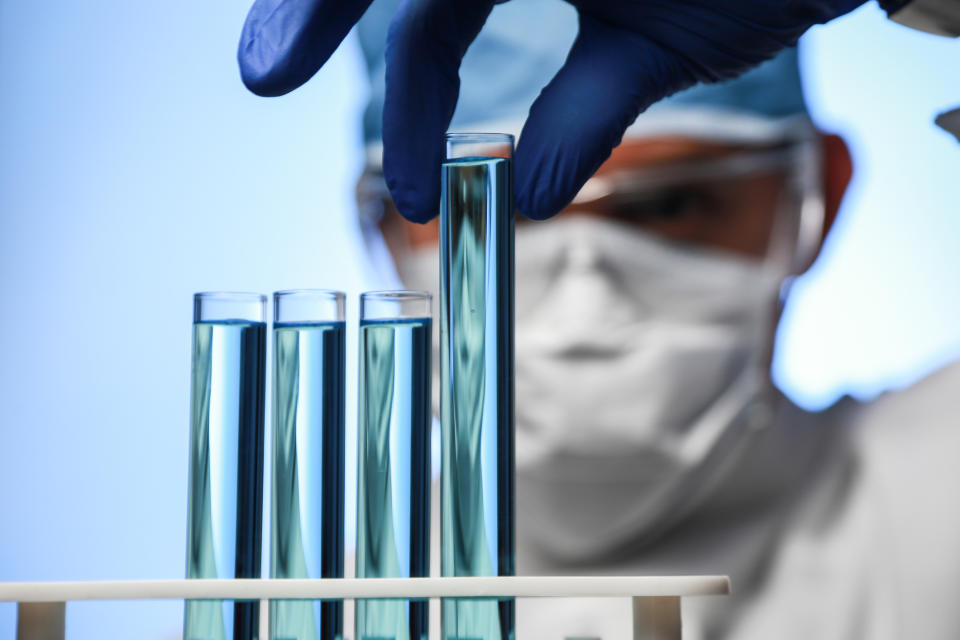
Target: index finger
[[425, 45], [285, 42]]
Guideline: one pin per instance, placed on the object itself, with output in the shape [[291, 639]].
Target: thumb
[[610, 76]]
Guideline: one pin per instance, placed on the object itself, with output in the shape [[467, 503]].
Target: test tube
[[393, 443], [306, 533], [477, 384], [225, 499]]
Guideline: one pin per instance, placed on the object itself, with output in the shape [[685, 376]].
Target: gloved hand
[[627, 56]]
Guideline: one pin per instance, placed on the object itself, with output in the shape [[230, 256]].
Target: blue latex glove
[[628, 55]]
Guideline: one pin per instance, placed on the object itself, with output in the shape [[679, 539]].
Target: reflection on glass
[[226, 459], [393, 486], [476, 366], [306, 538]]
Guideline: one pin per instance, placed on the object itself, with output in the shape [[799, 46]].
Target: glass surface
[[393, 305], [225, 496], [214, 306], [309, 305], [306, 539], [478, 145], [393, 485], [477, 384]]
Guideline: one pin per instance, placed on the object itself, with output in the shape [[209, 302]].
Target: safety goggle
[[663, 192], [798, 218]]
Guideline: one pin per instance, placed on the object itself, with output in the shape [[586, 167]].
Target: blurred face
[[644, 318]]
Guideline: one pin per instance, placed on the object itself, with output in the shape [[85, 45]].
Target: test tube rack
[[41, 606]]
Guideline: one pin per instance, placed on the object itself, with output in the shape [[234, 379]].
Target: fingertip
[[569, 133], [419, 215], [284, 42], [256, 77], [538, 216], [411, 167], [260, 60], [415, 205], [543, 184], [421, 218], [529, 209]]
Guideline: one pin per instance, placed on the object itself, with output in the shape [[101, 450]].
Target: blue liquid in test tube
[[476, 370], [307, 520], [225, 498], [393, 442]]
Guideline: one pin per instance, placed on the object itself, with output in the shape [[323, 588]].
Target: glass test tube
[[477, 384], [393, 443], [306, 533], [225, 500]]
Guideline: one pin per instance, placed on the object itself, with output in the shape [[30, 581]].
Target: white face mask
[[636, 363]]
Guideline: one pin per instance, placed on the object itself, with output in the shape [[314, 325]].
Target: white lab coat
[[838, 525]]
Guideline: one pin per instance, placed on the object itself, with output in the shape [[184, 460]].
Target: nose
[[586, 292], [582, 255]]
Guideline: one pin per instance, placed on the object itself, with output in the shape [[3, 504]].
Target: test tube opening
[[395, 305], [478, 145], [222, 306], [308, 306]]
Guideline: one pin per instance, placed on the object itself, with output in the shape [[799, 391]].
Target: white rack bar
[[656, 599], [351, 588]]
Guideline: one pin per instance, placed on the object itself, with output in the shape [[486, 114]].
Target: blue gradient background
[[135, 169]]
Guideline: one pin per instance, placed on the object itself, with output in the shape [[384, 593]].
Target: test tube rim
[[339, 299], [230, 295], [398, 295], [505, 143], [203, 299], [468, 136], [334, 293]]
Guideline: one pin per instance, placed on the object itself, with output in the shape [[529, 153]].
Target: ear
[[837, 171]]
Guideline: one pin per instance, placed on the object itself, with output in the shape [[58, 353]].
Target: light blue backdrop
[[880, 308], [135, 169]]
